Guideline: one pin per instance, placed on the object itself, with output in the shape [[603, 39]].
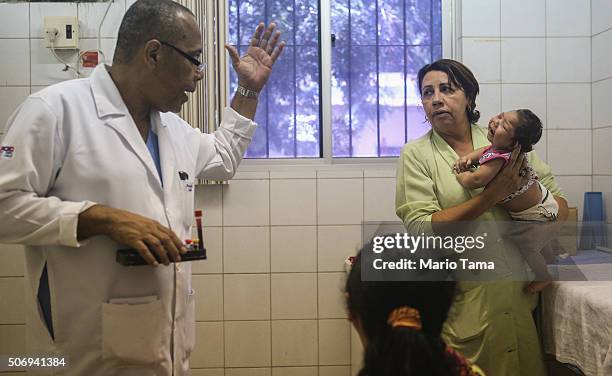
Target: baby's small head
[[518, 126]]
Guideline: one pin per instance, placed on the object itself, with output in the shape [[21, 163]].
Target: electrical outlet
[[61, 32]]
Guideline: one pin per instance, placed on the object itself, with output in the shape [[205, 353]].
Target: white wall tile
[[331, 296], [340, 174], [294, 173], [523, 60], [209, 199], [480, 18], [340, 201], [482, 56], [530, 96], [294, 296], [13, 264], [601, 11], [541, 148], [251, 175], [564, 163], [336, 244], [35, 89], [574, 187], [209, 297], [293, 249], [246, 296], [569, 106], [294, 371], [379, 199], [602, 55], [568, 18], [208, 372], [604, 184], [208, 351], [247, 344], [248, 371], [523, 18], [90, 16], [335, 371], [14, 20], [246, 249], [213, 242], [568, 59], [334, 342], [602, 111], [10, 99], [382, 172], [246, 203], [488, 102], [38, 12], [12, 340], [46, 69], [15, 66], [13, 292], [286, 351], [602, 152], [293, 202]]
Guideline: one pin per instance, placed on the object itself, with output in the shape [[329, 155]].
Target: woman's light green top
[[490, 322]]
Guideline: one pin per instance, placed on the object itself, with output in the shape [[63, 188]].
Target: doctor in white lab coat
[[90, 166]]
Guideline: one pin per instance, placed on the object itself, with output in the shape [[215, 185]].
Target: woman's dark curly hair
[[459, 76]]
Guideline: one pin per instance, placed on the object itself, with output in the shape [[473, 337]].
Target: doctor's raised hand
[[254, 68]]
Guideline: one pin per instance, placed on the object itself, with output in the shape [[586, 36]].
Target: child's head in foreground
[[520, 127], [399, 322]]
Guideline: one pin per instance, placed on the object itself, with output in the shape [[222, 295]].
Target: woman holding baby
[[490, 322]]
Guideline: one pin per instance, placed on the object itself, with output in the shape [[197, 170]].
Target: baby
[[532, 202]]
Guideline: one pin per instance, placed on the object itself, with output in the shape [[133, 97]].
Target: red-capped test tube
[[198, 217]]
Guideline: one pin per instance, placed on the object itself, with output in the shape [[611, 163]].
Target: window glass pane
[[288, 113], [375, 99], [392, 103], [362, 22], [308, 103], [281, 107], [364, 90], [391, 22], [340, 100]]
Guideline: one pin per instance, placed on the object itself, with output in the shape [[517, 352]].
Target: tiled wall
[[602, 110], [26, 65], [269, 297], [271, 291], [537, 54]]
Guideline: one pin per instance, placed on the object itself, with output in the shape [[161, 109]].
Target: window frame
[[450, 49]]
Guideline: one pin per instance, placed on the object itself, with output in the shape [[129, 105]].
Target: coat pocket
[[132, 331], [190, 324]]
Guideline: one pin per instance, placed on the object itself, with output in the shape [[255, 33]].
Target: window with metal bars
[[377, 49]]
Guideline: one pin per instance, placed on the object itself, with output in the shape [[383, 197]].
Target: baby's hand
[[462, 164]]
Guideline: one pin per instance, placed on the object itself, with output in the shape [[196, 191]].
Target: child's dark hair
[[529, 130], [401, 350]]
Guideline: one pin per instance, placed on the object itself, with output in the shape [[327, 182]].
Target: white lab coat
[[75, 145]]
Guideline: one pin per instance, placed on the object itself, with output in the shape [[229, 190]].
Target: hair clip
[[349, 262]]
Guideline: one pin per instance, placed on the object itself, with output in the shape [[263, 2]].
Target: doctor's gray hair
[[146, 20]]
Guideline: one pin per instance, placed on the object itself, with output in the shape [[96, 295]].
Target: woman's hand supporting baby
[[509, 179]]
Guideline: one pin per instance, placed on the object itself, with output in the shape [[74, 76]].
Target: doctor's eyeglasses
[[199, 65]]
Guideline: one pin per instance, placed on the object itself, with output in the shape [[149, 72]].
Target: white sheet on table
[[577, 325]]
